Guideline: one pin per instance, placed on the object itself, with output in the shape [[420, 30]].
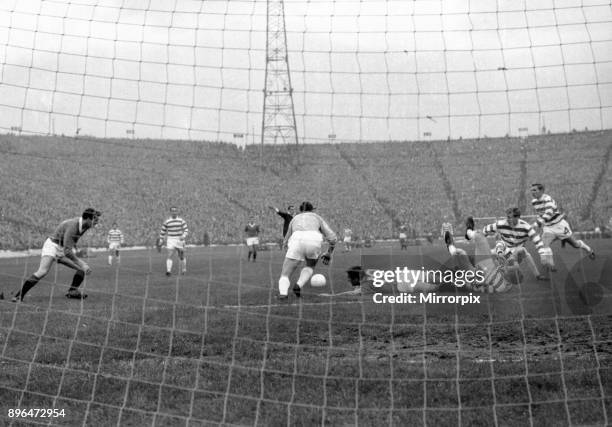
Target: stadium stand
[[370, 187]]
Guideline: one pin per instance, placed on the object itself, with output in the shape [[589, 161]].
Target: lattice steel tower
[[278, 121]]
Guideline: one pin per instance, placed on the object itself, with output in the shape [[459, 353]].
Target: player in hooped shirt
[[554, 226], [513, 233], [174, 230], [115, 240]]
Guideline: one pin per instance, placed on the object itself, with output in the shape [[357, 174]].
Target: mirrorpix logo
[[405, 279], [583, 287]]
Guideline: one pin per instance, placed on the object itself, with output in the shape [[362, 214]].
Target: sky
[[372, 70]]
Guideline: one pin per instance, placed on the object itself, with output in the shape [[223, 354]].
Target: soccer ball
[[318, 281]]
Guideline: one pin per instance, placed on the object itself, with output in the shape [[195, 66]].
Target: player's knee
[[546, 257], [307, 269], [311, 262], [39, 274], [42, 271]]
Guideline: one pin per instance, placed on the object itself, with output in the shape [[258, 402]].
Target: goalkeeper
[[303, 240]]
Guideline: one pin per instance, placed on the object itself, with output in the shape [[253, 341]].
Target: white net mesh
[[132, 107]]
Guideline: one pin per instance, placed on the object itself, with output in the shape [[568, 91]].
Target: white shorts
[[252, 241], [560, 230], [114, 246], [52, 249], [304, 245], [175, 243], [403, 236], [347, 239]]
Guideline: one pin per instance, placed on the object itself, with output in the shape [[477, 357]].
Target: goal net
[[407, 115]]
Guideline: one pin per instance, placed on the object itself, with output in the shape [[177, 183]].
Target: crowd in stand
[[372, 188]]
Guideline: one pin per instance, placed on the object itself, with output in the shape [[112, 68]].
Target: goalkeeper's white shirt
[[310, 221]]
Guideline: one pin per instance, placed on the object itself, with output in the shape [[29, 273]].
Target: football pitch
[[215, 347]]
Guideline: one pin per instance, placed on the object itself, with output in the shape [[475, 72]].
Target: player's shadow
[[583, 288]]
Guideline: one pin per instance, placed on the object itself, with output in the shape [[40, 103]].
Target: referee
[[286, 216]]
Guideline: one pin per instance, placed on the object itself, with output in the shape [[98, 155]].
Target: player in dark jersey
[[403, 238], [286, 216], [61, 247], [252, 231]]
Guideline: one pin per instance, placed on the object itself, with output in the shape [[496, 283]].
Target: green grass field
[[214, 347]]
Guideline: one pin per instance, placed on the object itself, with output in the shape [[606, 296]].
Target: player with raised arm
[[554, 226], [174, 230], [286, 216], [514, 232], [61, 247], [115, 240], [252, 231], [304, 241]]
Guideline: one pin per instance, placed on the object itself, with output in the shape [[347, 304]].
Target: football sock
[[254, 254], [305, 276], [77, 279], [584, 246], [110, 259], [531, 264], [27, 285], [249, 256], [283, 285], [184, 265], [168, 265]]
